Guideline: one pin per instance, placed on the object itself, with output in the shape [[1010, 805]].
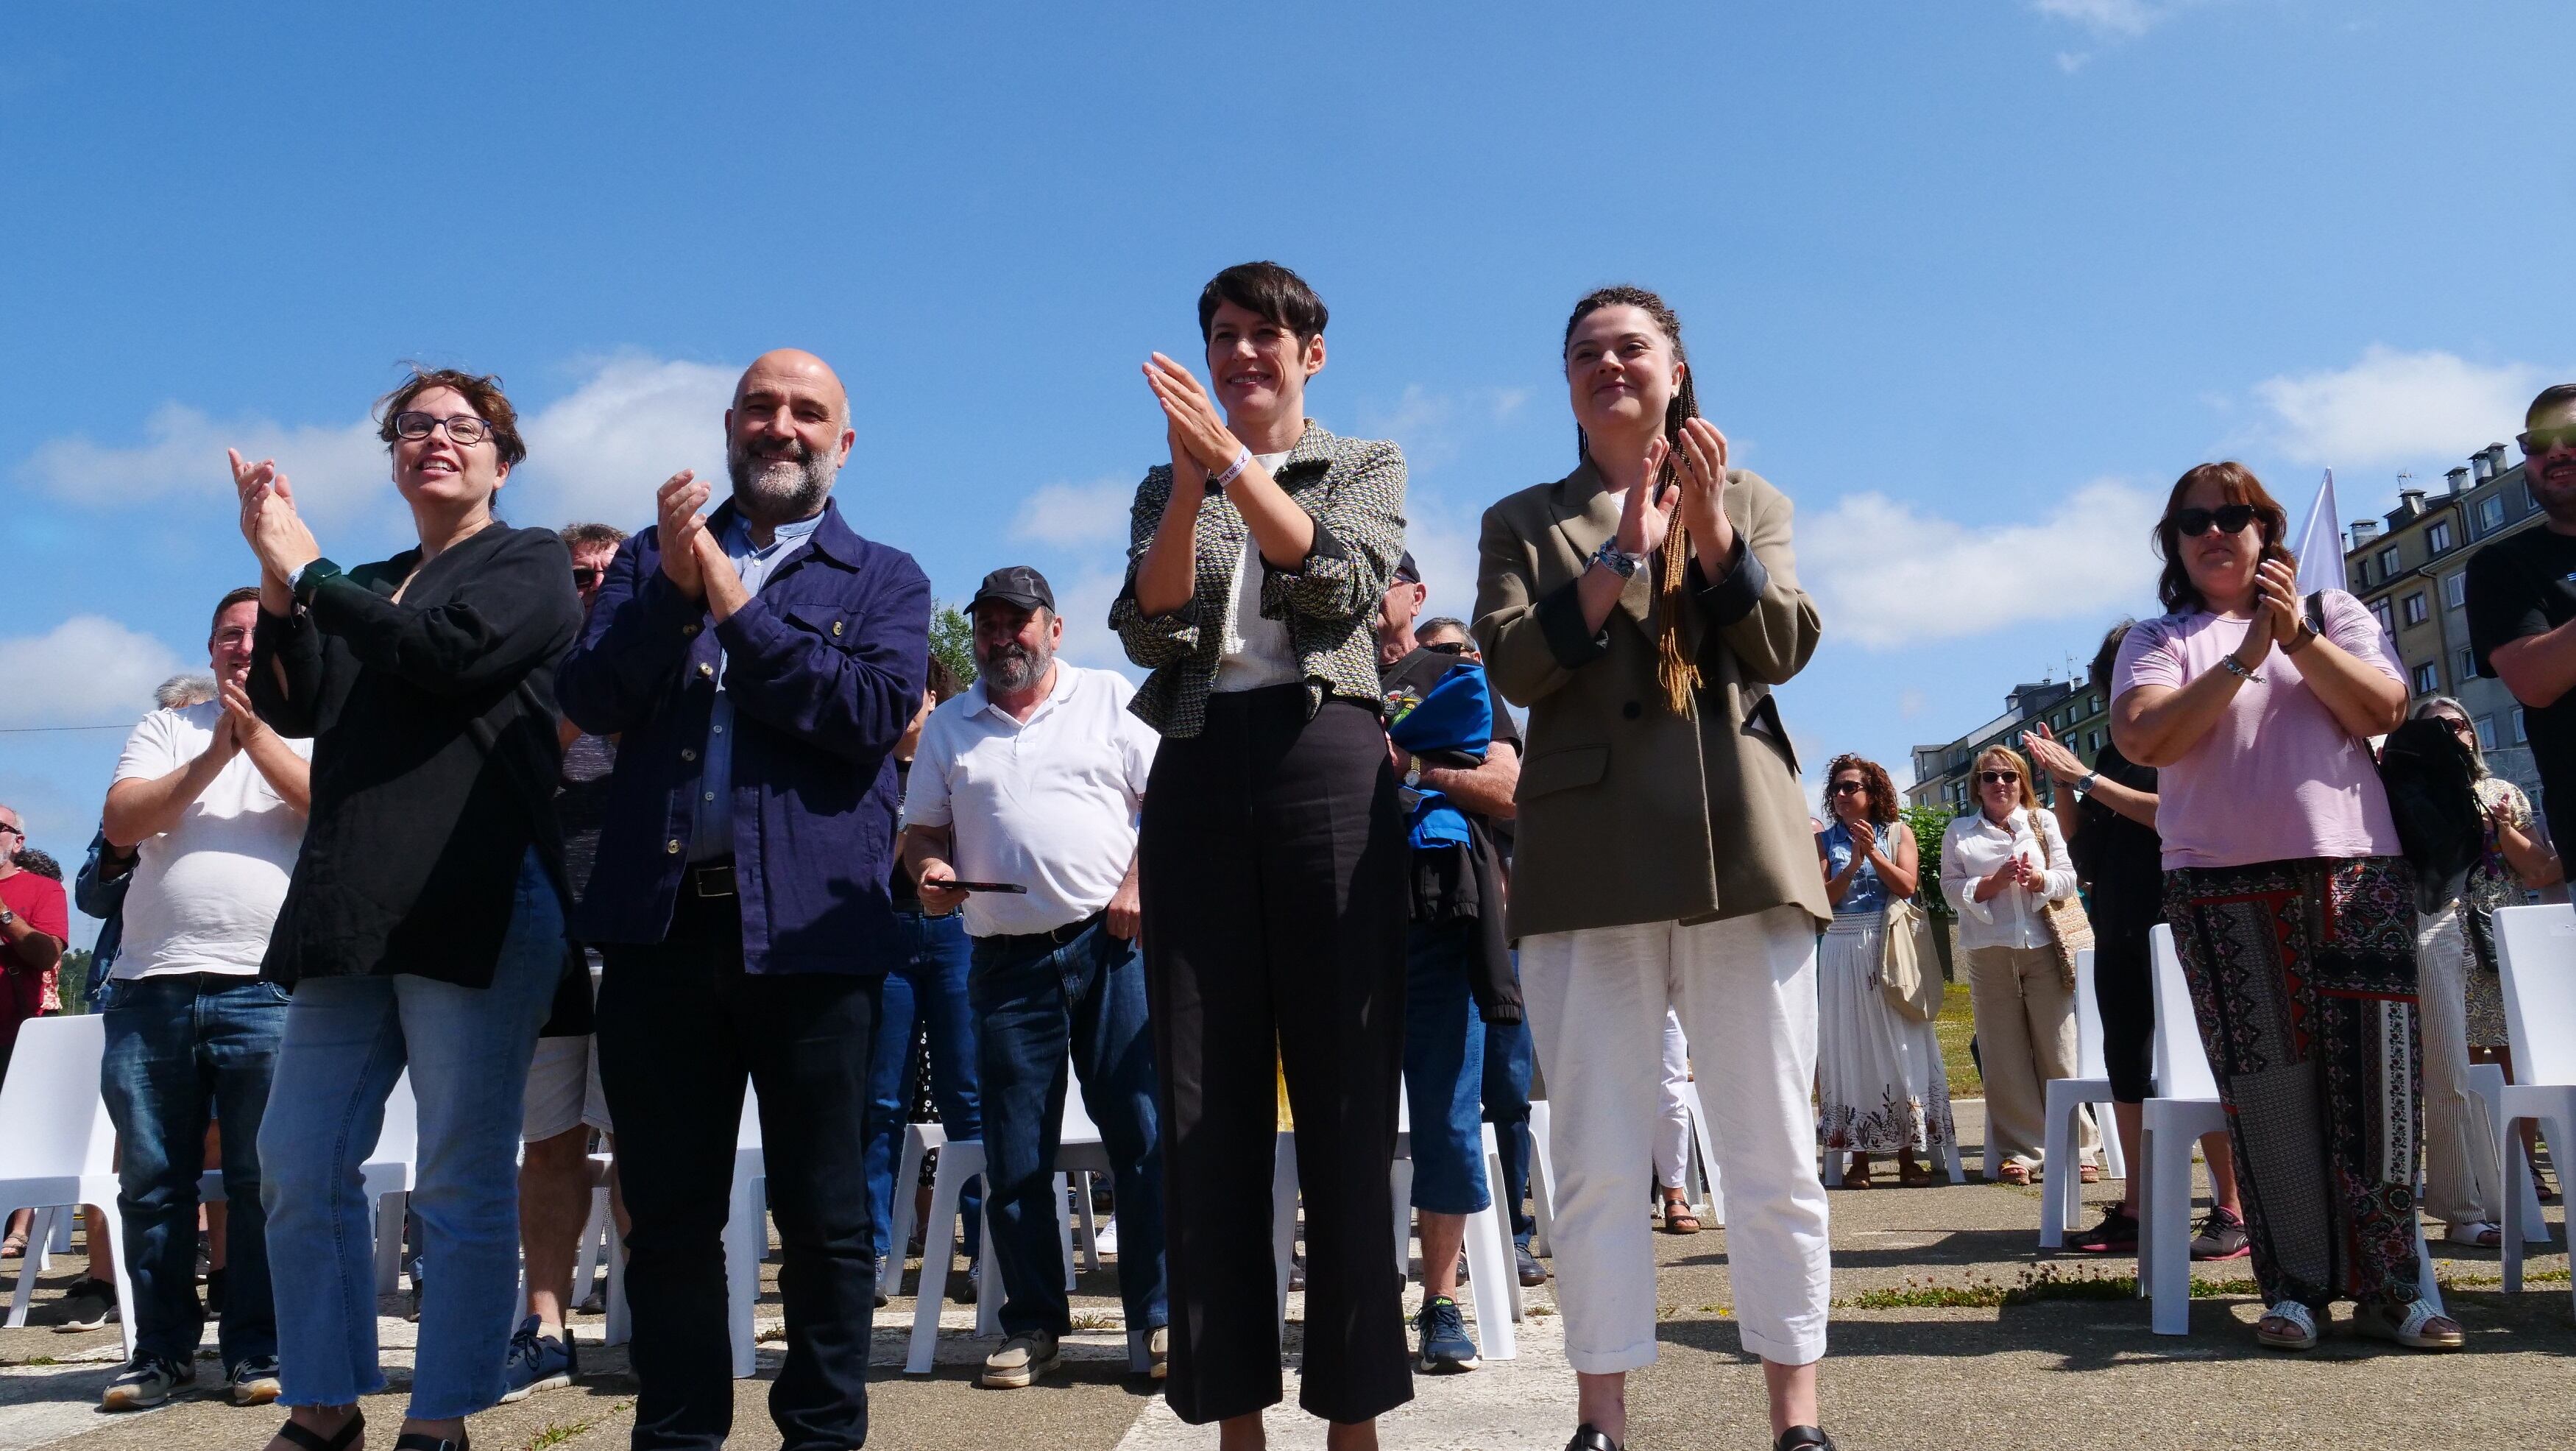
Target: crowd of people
[[609, 837]]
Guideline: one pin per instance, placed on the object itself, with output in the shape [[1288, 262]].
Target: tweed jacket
[[1629, 813], [1353, 489]]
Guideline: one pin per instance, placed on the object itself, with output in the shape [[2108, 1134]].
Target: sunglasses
[[1448, 647], [2544, 440], [13, 831], [584, 576], [1846, 788], [1997, 778], [2229, 518]]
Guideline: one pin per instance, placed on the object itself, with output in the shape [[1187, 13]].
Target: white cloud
[[2123, 19], [1084, 606], [86, 671], [601, 450], [597, 452], [1427, 425], [1071, 516], [1443, 541], [1887, 575], [333, 468], [2396, 407]]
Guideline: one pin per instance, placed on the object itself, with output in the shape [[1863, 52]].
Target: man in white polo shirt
[[1032, 780], [213, 803]]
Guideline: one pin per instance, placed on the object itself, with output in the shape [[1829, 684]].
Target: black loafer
[[1803, 1438], [1588, 1437]]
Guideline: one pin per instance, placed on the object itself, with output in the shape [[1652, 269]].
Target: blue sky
[[1972, 282]]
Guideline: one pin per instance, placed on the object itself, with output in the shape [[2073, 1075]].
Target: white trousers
[[2460, 1170], [1672, 1129], [1746, 992]]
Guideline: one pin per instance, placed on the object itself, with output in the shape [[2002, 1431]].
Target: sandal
[[2088, 1173], [421, 1441], [14, 1247], [311, 1440], [2014, 1171], [1678, 1218], [1912, 1174], [1857, 1176], [2416, 1326], [2477, 1233], [1588, 1437], [2287, 1326], [1804, 1438]]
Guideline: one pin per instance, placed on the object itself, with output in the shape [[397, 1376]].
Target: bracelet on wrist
[[1242, 459]]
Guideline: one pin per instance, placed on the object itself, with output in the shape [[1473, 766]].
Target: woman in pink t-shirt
[[2292, 909]]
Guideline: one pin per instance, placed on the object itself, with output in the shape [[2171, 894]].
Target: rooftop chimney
[[2459, 479], [2482, 465], [2496, 458], [2364, 531]]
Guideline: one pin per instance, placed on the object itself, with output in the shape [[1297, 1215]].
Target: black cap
[[1406, 570], [1017, 584]]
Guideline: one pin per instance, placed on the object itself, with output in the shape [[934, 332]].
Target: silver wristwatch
[[1413, 774], [2085, 786], [1619, 561]]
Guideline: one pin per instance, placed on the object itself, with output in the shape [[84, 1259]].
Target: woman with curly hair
[[1880, 1085]]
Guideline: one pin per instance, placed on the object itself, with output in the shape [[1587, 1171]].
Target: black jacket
[[434, 754]]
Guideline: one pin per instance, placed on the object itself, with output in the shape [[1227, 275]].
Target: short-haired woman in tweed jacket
[[1272, 859]]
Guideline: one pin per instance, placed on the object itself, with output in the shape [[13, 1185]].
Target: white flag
[[2319, 543]]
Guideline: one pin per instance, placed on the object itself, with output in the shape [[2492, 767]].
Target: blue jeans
[[927, 987], [178, 1048], [347, 1040], [1044, 1006], [1508, 1056], [1444, 1068]]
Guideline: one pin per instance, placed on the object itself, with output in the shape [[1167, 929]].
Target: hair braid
[[1674, 669]]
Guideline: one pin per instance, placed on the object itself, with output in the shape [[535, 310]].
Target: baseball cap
[[1406, 570], [1015, 584]]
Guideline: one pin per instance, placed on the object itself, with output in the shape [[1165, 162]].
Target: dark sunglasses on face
[[2544, 440], [2230, 519], [1448, 647], [584, 576], [1846, 788], [1997, 778], [13, 831]]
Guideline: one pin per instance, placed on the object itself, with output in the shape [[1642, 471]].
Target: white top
[[206, 892], [1050, 804], [1258, 650], [1974, 847]]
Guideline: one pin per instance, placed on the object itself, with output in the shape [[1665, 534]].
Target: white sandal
[[2477, 1233], [2419, 1327], [2302, 1331]]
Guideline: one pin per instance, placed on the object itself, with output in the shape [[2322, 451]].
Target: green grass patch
[[2031, 1287], [555, 1433]]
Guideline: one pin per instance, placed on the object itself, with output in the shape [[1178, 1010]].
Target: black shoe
[[214, 1292], [1588, 1438], [1532, 1272], [2117, 1234], [1803, 1438], [2221, 1237], [88, 1304]]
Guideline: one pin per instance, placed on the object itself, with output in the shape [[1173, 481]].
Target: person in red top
[[35, 927]]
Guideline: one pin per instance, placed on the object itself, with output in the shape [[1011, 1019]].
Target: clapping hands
[[269, 523]]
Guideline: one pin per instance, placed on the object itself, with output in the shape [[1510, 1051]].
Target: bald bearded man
[[759, 663]]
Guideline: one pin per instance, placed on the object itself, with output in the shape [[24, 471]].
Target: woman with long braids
[[1273, 856], [1642, 607]]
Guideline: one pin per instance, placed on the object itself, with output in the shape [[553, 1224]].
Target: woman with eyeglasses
[[2291, 905], [1880, 1086], [424, 927], [2462, 994], [2000, 865]]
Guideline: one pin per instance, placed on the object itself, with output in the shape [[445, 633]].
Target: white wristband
[[1234, 470]]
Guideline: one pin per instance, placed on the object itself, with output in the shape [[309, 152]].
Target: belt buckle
[[714, 881]]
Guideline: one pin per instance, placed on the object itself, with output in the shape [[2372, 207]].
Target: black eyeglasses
[[1447, 647], [2542, 440], [1846, 788], [2230, 519], [584, 576], [466, 429], [1997, 778], [13, 831]]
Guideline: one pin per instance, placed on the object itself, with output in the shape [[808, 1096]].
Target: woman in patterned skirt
[[1881, 1088], [2292, 909]]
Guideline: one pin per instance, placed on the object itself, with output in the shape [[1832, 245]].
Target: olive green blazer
[[1629, 813]]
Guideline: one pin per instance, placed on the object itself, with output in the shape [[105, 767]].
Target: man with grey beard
[[758, 665], [1031, 780]]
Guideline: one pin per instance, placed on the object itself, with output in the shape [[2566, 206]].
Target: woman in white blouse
[[1999, 864]]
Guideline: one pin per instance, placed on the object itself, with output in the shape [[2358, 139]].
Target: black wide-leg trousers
[[1273, 863]]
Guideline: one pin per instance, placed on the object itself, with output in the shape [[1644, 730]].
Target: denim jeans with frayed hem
[[182, 1047], [347, 1040], [925, 989]]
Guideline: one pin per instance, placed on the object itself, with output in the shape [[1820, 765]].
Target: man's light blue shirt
[[711, 826]]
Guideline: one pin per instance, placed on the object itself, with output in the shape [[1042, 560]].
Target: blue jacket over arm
[[825, 667]]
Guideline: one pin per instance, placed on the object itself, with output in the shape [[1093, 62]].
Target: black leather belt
[[1059, 936], [708, 879]]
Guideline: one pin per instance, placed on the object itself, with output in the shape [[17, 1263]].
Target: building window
[[2437, 540], [2415, 609], [2455, 589], [2486, 732], [2464, 665], [2097, 743], [2518, 736], [2428, 678], [2491, 513], [2387, 622], [2388, 564]]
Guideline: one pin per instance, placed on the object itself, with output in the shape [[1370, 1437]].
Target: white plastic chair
[[389, 1172], [60, 1151], [745, 1242], [2186, 1106], [2536, 949], [1701, 1172], [2487, 1085], [1493, 1270], [2060, 1203], [1542, 1182]]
